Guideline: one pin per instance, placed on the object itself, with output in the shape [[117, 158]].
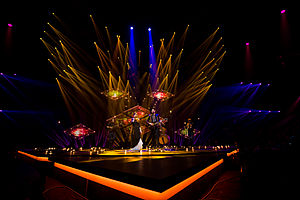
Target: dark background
[[25, 55]]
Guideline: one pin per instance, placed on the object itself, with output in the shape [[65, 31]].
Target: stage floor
[[156, 171]]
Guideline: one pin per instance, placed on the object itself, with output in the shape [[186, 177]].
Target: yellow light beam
[[183, 37], [170, 45], [65, 99], [97, 31], [173, 84], [108, 37]]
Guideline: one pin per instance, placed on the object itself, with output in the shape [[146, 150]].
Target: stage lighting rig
[[114, 94], [161, 95]]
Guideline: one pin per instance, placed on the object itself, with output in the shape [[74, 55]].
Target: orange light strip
[[180, 186], [233, 152], [44, 159], [117, 185]]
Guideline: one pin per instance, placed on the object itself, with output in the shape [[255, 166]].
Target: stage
[[122, 174]]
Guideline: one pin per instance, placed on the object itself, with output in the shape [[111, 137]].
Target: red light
[[10, 25], [79, 131], [140, 114], [282, 11], [160, 95], [247, 43]]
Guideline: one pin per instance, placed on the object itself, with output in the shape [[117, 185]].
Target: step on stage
[[123, 174]]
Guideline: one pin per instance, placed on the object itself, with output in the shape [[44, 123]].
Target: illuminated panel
[[162, 95], [140, 114], [34, 157], [79, 131], [114, 94]]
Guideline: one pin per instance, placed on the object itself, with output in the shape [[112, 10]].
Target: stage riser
[[80, 181]]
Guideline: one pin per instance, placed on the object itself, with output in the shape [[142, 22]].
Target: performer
[[189, 127], [190, 132], [111, 134], [153, 120], [136, 141]]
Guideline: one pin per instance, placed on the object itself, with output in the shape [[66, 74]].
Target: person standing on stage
[[111, 134], [136, 131], [189, 126], [153, 120]]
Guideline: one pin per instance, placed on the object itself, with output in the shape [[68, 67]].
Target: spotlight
[[242, 83], [10, 25], [131, 28], [249, 111], [282, 11], [247, 43], [149, 29], [1, 110], [269, 111], [1, 74], [278, 111], [114, 94]]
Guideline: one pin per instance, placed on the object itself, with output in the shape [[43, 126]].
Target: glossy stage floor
[[148, 174]]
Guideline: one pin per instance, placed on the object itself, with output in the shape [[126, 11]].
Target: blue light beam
[[152, 59], [132, 58]]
